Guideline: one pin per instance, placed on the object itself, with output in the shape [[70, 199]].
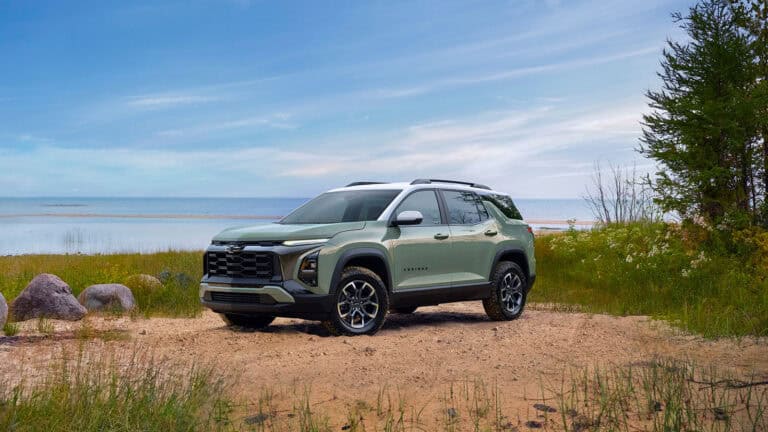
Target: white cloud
[[509, 150], [508, 74], [162, 101]]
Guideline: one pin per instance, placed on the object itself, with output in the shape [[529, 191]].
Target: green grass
[[11, 329], [97, 393], [177, 297], [641, 269], [656, 270], [660, 396]]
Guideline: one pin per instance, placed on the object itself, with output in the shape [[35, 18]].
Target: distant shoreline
[[218, 216]]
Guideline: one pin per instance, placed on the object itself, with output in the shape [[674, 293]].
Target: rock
[[544, 408], [47, 296], [107, 296], [656, 406], [257, 419], [184, 279], [165, 275], [143, 282], [720, 414], [3, 310]]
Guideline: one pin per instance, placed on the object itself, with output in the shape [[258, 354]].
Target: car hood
[[277, 232]]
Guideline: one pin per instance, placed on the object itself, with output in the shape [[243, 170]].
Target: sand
[[415, 357]]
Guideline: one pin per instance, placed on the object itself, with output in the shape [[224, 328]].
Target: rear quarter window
[[505, 204]]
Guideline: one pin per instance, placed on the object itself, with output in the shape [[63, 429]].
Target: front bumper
[[277, 300]]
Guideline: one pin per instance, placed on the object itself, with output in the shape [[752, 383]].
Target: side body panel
[[420, 259], [375, 241], [474, 251]]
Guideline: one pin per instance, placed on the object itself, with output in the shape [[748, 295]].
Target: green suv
[[351, 255]]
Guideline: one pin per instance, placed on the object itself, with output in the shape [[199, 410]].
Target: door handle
[[440, 236], [491, 232]]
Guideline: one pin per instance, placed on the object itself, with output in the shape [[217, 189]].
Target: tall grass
[[97, 392], [661, 396], [177, 297], [652, 269]]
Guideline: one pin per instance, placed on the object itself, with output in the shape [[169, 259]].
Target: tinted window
[[424, 202], [345, 206], [504, 204], [464, 208]]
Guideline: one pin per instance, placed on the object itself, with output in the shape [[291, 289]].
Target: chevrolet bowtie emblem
[[235, 248]]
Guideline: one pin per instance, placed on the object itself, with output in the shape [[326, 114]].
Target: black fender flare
[[347, 256], [510, 250]]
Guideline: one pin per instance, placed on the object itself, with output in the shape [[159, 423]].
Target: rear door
[[421, 252], [474, 235]]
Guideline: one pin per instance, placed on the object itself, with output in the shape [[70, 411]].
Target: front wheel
[[360, 303], [509, 292], [248, 321]]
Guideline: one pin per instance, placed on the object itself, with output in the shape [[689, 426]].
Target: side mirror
[[410, 217]]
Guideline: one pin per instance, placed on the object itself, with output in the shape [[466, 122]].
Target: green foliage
[[704, 128], [127, 394], [661, 270], [11, 328], [178, 296]]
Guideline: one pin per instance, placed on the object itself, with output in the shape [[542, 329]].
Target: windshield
[[344, 206]]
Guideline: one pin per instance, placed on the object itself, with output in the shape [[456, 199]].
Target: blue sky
[[252, 98]]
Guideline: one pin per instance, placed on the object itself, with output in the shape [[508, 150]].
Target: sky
[[287, 98]]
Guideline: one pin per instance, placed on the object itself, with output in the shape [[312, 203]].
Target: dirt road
[[415, 357]]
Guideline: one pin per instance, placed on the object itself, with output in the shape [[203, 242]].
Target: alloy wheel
[[512, 293], [358, 304]]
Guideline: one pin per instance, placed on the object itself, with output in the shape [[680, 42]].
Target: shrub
[[656, 269]]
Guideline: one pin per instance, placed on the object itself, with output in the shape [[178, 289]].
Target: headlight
[[308, 269], [304, 242]]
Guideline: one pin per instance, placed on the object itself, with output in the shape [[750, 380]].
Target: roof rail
[[470, 184], [363, 183]]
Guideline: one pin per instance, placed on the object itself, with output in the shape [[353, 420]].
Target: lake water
[[110, 225]]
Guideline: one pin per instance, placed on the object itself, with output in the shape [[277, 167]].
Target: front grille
[[259, 265], [252, 298]]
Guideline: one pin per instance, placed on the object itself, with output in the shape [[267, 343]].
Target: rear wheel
[[510, 289], [360, 303], [405, 310], [248, 321]]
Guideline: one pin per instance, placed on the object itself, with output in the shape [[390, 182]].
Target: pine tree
[[702, 128], [752, 16]]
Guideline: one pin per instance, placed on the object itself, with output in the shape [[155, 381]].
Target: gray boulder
[[3, 310], [47, 296], [143, 282], [107, 296]]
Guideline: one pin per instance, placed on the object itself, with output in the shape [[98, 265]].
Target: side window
[[425, 202], [464, 208], [505, 204]]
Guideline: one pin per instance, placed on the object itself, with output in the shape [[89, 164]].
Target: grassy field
[[657, 270], [97, 392], [181, 272], [651, 269]]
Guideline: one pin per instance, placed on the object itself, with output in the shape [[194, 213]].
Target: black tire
[[509, 287], [248, 321], [405, 310], [360, 295]]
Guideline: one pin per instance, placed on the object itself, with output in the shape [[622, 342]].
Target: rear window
[[505, 204], [464, 208]]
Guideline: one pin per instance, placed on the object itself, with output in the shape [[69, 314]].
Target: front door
[[421, 252]]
